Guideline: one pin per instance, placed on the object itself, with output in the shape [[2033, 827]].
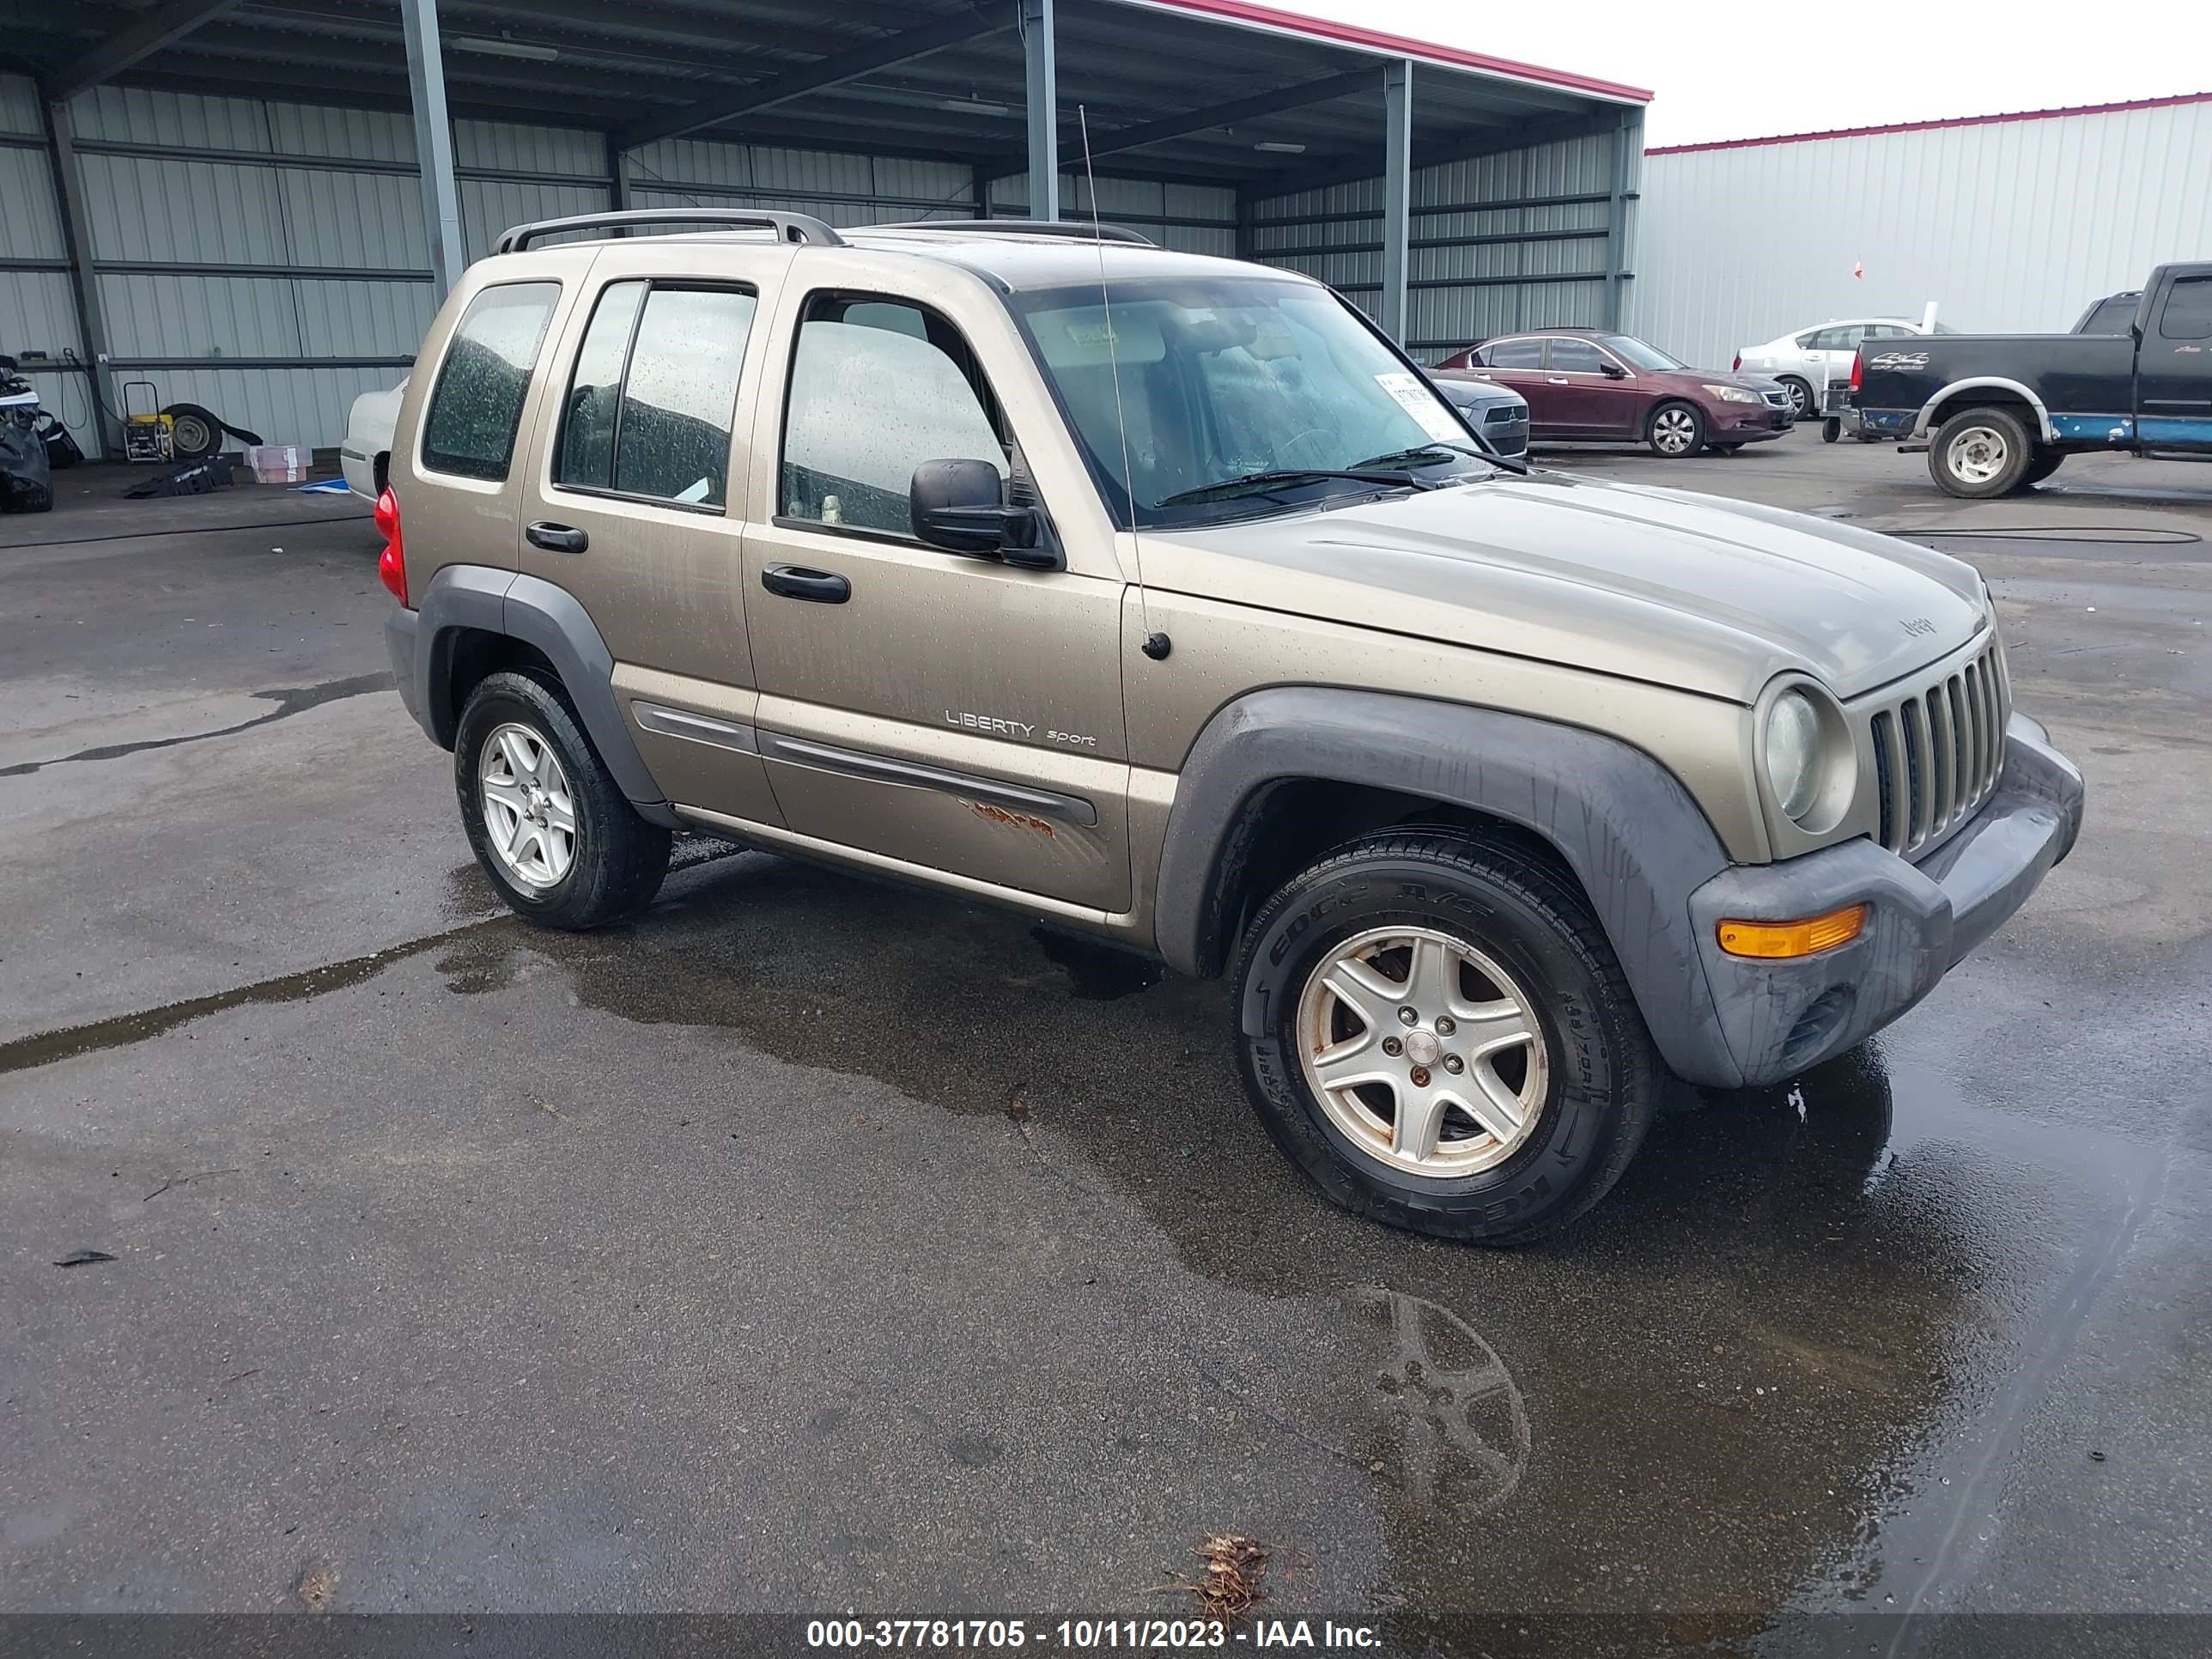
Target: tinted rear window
[[477, 402], [1515, 354]]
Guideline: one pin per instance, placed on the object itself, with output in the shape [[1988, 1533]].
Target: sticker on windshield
[[1423, 404]]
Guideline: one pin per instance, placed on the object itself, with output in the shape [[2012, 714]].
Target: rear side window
[[1515, 354], [477, 402], [654, 394], [2188, 313]]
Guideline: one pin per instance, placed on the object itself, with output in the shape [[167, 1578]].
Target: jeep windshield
[[1237, 397]]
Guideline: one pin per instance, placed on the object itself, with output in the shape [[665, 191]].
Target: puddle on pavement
[[1700, 1398]]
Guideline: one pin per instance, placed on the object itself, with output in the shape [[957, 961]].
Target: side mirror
[[1614, 372], [961, 507]]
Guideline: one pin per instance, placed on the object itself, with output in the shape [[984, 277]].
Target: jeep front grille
[[1938, 751]]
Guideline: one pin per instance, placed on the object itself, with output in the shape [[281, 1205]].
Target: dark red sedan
[[1589, 386]]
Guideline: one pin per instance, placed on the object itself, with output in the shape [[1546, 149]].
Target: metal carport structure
[[259, 201]]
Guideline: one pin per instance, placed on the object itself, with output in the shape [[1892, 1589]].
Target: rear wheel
[[1980, 452], [1437, 1033], [545, 817], [1676, 431]]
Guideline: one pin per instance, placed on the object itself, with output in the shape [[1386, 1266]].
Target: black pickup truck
[[1997, 412]]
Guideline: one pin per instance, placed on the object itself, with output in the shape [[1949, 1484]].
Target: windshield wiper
[[1413, 456], [1398, 479]]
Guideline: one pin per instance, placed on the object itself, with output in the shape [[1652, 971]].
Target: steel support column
[[1627, 134], [1043, 78], [617, 176], [84, 284], [1397, 192], [434, 144]]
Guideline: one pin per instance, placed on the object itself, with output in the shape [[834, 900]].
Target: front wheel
[[1980, 452], [545, 817], [1438, 1034], [1801, 398], [1677, 431]]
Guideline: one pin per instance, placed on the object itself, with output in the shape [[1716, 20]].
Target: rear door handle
[[796, 581], [556, 538], [1557, 380]]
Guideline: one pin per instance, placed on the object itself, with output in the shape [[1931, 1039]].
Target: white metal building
[[251, 231], [2010, 223]]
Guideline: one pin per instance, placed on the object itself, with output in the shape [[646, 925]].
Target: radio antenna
[[1157, 645]]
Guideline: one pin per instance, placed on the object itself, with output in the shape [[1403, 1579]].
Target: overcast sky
[[1748, 71]]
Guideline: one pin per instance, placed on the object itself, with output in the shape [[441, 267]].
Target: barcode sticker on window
[[1423, 404]]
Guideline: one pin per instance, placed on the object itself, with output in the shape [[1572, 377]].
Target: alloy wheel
[[1977, 454], [1673, 431], [1423, 1051], [529, 810]]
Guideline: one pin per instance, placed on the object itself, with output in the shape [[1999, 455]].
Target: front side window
[[1515, 354], [1577, 358], [878, 387], [2188, 313], [653, 393], [477, 403], [1215, 397]]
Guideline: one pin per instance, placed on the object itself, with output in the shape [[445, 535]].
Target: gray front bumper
[[1778, 1017]]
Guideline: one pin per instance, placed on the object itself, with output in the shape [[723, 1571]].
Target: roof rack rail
[[1069, 228], [788, 227]]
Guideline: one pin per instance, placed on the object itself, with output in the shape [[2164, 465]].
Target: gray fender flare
[[1921, 422], [1631, 833], [534, 610]]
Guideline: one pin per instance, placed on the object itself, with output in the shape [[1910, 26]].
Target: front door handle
[[796, 581], [1557, 380], [556, 538]]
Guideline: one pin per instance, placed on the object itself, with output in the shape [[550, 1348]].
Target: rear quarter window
[[477, 403]]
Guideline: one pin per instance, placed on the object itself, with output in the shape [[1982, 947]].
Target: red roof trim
[[1930, 126], [1395, 45]]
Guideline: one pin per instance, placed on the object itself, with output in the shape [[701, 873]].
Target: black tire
[[2044, 464], [1726, 449], [1981, 452], [619, 859], [1831, 429], [1801, 398], [1604, 1073], [1658, 430], [194, 432]]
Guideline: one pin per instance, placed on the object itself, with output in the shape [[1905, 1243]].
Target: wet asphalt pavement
[[812, 1246]]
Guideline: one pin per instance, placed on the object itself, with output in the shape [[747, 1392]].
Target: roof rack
[[1072, 228], [788, 227]]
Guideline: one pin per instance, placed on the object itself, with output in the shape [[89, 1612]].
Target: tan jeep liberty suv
[[1160, 597]]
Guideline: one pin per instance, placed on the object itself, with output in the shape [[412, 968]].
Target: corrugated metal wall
[[2009, 225], [268, 260], [1518, 240], [1189, 218], [38, 313]]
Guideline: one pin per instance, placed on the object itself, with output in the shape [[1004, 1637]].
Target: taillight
[[1736, 367], [392, 563], [1858, 370]]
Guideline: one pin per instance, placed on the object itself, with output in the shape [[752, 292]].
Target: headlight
[[1735, 394], [1793, 753]]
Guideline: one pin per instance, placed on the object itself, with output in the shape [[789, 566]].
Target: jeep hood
[[1692, 591]]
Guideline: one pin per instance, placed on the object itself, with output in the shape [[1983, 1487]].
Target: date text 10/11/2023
[[1080, 1635]]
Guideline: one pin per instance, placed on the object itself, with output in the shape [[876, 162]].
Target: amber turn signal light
[[1794, 938]]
